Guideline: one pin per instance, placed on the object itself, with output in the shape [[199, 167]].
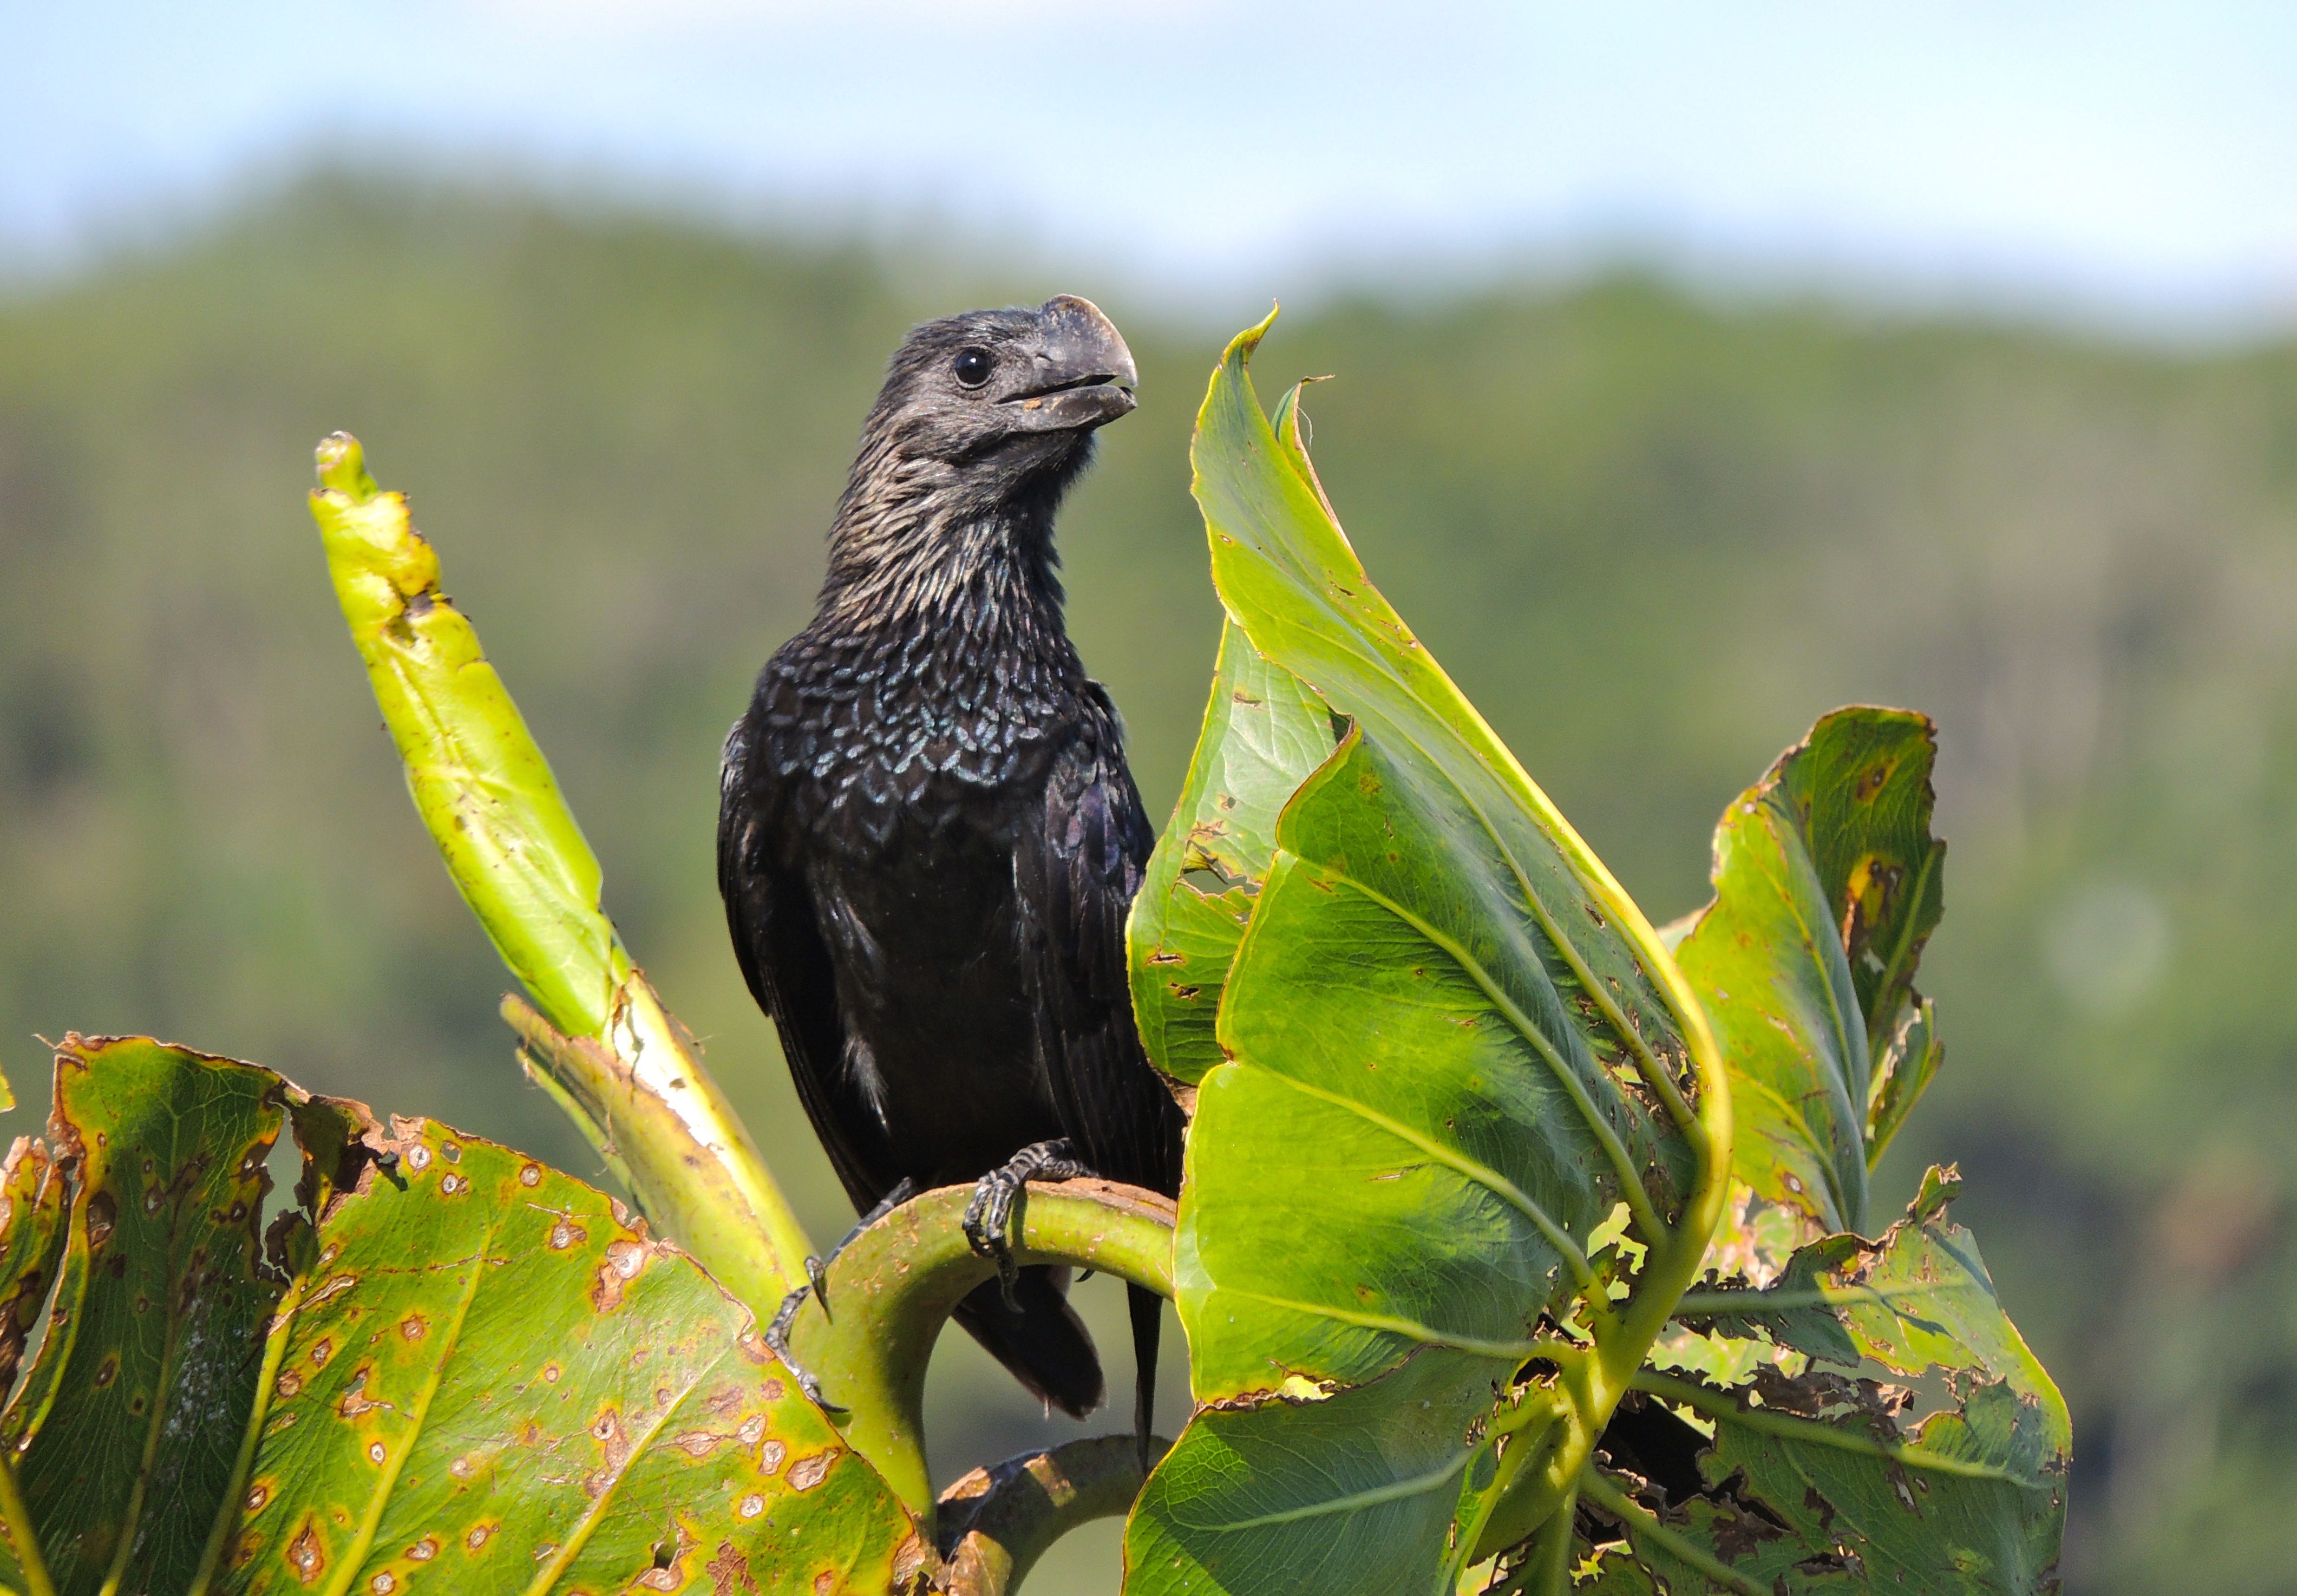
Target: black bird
[[927, 837]]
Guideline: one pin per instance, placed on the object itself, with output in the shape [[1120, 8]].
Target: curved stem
[[997, 1522], [893, 1286]]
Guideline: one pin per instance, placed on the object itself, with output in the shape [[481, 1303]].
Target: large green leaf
[[123, 1431], [1448, 1047], [1827, 885], [1895, 1433], [457, 1367], [489, 1375], [1263, 734]]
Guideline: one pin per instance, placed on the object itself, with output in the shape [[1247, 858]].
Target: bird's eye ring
[[973, 366]]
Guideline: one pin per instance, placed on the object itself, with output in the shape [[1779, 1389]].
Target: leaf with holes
[[457, 1369], [1827, 885], [1894, 1433], [1449, 1046], [490, 1380], [1263, 733]]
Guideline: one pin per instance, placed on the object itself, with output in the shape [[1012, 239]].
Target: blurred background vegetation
[[1652, 534]]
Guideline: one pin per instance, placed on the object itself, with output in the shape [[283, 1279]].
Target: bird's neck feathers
[[915, 546]]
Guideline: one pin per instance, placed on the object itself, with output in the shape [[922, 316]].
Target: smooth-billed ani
[[928, 840]]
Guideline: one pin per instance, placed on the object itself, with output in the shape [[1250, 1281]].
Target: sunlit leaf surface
[[1447, 1048], [457, 1369]]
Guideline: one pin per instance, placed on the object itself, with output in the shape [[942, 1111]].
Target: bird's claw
[[778, 1340], [817, 1274], [988, 1222]]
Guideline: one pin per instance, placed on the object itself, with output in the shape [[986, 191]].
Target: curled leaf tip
[[1240, 347], [342, 467]]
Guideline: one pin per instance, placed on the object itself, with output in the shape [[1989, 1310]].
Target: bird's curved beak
[[1083, 373]]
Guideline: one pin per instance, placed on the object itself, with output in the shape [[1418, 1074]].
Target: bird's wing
[[778, 939], [1077, 873]]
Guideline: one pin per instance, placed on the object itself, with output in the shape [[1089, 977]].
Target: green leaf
[[1263, 734], [123, 1434], [1448, 1046], [490, 1374], [1827, 885], [455, 1364], [1896, 1431]]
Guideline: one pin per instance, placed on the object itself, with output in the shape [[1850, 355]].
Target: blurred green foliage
[[1653, 537]]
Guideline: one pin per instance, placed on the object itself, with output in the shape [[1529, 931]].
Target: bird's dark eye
[[973, 366]]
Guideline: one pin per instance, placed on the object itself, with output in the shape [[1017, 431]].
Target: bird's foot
[[778, 1338], [817, 1286], [989, 1216]]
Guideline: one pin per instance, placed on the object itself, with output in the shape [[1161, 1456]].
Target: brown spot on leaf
[[305, 1555], [770, 1455], [452, 1185], [322, 1350], [607, 1296], [418, 1157], [383, 1583], [567, 1233], [477, 1538], [808, 1472], [108, 1370], [258, 1496], [423, 1551], [730, 1571], [531, 1175], [698, 1443], [102, 1219], [289, 1383], [414, 1327]]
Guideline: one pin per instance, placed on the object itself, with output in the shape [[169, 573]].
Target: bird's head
[[993, 403]]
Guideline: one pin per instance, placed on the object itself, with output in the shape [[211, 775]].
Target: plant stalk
[[601, 1038], [997, 1522], [892, 1286]]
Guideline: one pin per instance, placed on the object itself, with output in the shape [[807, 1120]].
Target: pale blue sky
[[2136, 163]]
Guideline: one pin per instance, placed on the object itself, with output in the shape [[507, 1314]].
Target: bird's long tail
[[1040, 1338], [1148, 1310]]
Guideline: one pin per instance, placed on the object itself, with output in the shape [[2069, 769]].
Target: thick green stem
[[997, 1522], [1596, 1384], [639, 1091], [895, 1284]]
